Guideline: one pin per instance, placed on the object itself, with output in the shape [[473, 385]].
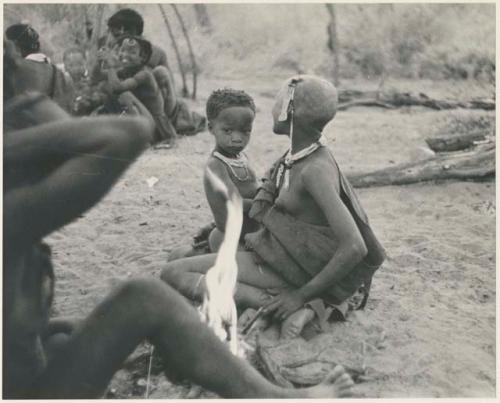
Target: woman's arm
[[322, 184]]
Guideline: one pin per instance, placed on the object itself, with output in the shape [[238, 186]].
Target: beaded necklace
[[241, 161]]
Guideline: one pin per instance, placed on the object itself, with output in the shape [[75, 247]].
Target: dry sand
[[429, 327]]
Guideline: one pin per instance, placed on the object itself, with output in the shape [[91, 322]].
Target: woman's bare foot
[[337, 383], [293, 325]]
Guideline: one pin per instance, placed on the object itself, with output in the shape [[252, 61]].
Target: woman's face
[[281, 127]]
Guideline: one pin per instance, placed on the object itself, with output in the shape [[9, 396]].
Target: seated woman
[[316, 245], [53, 173]]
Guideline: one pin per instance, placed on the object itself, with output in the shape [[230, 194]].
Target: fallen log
[[376, 98], [476, 164], [455, 142], [364, 102]]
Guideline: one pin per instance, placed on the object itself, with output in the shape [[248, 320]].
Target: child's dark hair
[[227, 98], [127, 18], [74, 50]]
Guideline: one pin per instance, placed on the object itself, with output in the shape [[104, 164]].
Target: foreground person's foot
[[337, 383], [293, 325]]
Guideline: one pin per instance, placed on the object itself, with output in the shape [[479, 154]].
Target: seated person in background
[[230, 116], [27, 42], [46, 358], [75, 69], [75, 65], [315, 248], [130, 74], [22, 75], [129, 22]]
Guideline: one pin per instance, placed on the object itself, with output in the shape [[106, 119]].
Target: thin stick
[[149, 371], [185, 91], [249, 325], [190, 48]]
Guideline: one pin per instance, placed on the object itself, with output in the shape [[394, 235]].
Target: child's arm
[[216, 200], [118, 86]]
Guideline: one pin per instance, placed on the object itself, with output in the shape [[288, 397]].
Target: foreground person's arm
[[77, 161]]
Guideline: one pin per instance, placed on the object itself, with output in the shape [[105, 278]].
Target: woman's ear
[[210, 127]]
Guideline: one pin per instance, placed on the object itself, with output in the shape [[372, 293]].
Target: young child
[[315, 248], [75, 64], [130, 73], [230, 115], [75, 71]]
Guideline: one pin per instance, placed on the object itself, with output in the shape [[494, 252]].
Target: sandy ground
[[432, 309]]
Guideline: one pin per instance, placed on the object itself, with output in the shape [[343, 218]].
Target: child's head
[[230, 115], [133, 51], [75, 63], [314, 103], [125, 22]]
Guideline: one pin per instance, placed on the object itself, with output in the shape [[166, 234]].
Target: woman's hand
[[284, 304]]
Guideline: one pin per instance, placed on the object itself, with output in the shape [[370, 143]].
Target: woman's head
[[311, 99], [25, 38]]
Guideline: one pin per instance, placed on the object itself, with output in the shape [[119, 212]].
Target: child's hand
[[112, 60]]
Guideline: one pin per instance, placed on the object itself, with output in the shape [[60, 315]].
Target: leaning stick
[[96, 34], [190, 48], [185, 91]]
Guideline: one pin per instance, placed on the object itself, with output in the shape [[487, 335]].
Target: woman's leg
[[149, 309], [186, 276]]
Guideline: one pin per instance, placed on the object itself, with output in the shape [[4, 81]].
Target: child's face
[[74, 64], [130, 53], [232, 128]]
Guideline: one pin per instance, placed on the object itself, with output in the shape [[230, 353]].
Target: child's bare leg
[[165, 82], [186, 276], [215, 240], [150, 309], [134, 106]]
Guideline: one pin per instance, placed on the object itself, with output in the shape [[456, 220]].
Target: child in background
[[230, 115], [130, 74], [75, 65]]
